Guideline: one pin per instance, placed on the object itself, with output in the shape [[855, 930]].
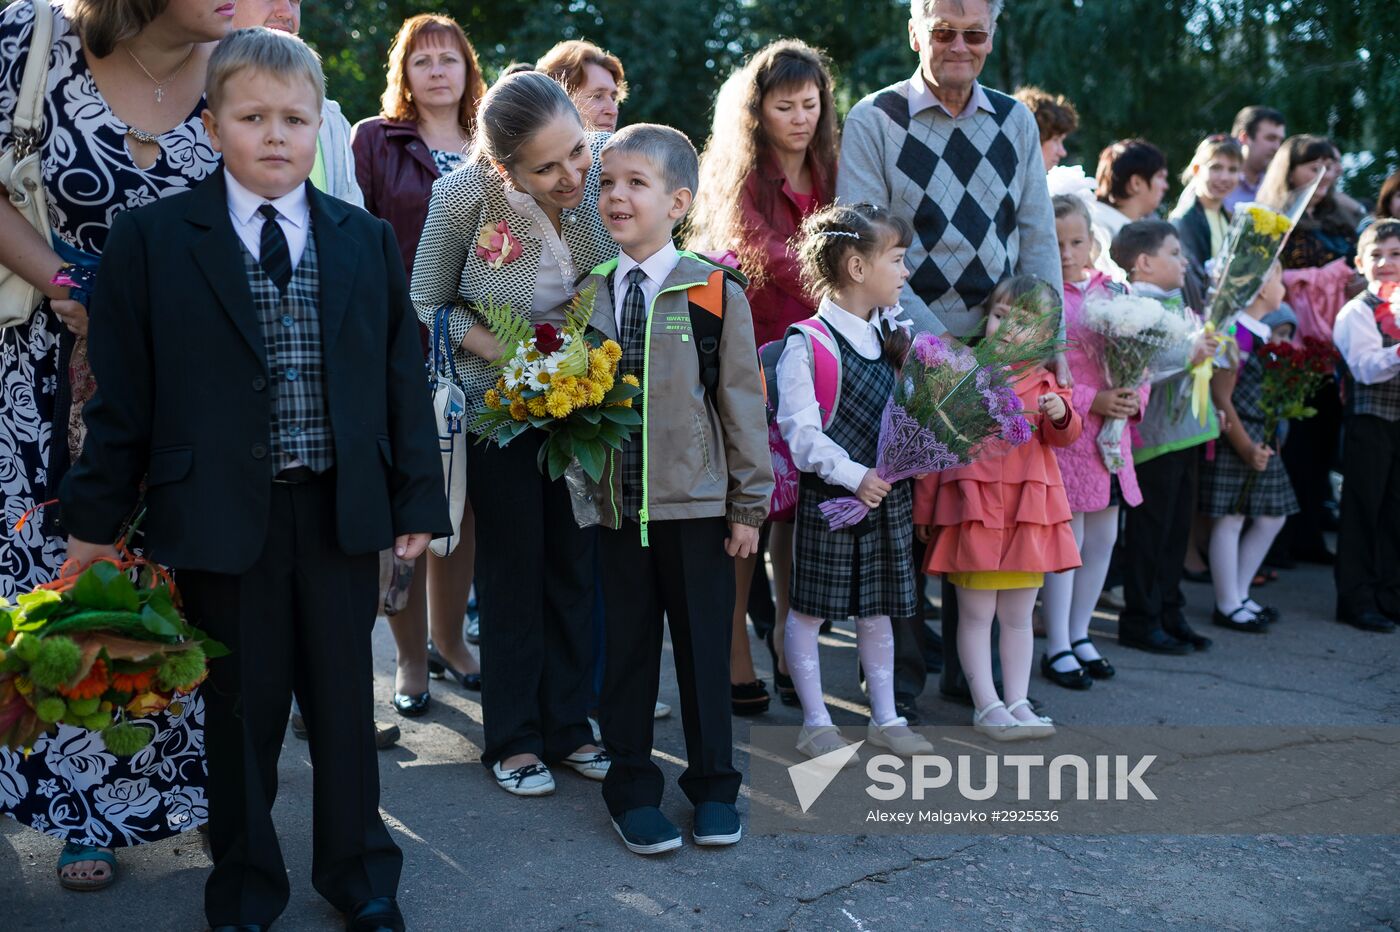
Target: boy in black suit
[[259, 367]]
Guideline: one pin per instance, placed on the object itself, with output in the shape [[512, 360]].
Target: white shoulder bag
[[450, 412], [20, 169]]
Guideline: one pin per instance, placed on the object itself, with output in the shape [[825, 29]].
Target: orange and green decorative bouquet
[[96, 649]]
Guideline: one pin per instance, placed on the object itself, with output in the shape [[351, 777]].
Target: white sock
[[875, 644], [1096, 550], [1057, 603], [1225, 562], [805, 666], [1254, 547]]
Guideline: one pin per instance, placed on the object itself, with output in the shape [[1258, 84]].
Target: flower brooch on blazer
[[497, 245]]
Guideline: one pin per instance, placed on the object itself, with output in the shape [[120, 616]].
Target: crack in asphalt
[[880, 876], [1211, 674]]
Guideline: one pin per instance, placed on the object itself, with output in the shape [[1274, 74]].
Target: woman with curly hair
[[774, 140]]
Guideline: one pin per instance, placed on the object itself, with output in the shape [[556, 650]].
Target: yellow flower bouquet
[[564, 381]]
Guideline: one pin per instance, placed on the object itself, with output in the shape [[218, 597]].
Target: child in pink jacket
[[1094, 493]]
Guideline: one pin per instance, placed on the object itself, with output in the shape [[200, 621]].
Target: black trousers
[[1155, 537], [910, 668], [1368, 546], [534, 567], [1308, 456], [298, 622], [686, 578]]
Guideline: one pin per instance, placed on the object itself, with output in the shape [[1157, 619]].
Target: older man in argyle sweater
[[958, 161], [962, 164]]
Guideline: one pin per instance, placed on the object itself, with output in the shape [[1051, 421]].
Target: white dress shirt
[[554, 287], [293, 216], [656, 266], [1358, 339], [922, 97], [799, 416]]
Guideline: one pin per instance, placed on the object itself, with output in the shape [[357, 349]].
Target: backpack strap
[[825, 354], [707, 325]]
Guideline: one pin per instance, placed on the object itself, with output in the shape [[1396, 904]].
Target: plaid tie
[[275, 257], [633, 329]]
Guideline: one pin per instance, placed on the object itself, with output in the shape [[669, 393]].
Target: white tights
[[874, 643], [976, 610], [1236, 555], [1068, 598]]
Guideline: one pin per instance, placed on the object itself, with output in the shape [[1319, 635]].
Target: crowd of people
[[252, 247]]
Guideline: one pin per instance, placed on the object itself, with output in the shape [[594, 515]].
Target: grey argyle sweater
[[973, 189]]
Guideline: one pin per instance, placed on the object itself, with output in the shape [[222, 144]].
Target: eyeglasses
[[945, 36]]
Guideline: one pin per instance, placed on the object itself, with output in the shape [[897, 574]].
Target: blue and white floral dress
[[70, 786]]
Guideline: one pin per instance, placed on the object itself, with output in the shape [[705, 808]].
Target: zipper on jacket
[[616, 499], [643, 514]]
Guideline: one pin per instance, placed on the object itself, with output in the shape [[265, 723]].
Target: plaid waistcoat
[[1383, 399], [291, 330]]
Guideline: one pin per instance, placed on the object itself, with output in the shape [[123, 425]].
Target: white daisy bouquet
[[563, 381], [1136, 340]]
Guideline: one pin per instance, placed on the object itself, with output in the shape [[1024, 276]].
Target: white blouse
[[799, 416], [554, 288]]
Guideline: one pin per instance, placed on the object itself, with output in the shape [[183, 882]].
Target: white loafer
[[593, 766], [530, 780], [820, 740]]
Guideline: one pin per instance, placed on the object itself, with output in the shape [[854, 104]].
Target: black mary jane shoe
[[412, 705], [1069, 679], [782, 683], [1265, 613], [1249, 625], [1099, 669], [438, 668], [748, 698], [380, 914]]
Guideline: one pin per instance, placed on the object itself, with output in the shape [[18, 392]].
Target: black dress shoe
[[1367, 621], [412, 705], [438, 667], [1187, 635], [1099, 669], [748, 698], [1250, 625], [1155, 641], [1077, 678], [380, 914], [907, 708]]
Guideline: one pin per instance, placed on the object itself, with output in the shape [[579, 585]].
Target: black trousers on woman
[[534, 570], [1309, 455]]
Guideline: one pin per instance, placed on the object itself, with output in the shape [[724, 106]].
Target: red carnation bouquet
[[1292, 375]]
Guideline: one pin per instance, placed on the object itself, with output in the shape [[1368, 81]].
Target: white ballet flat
[[1008, 732], [1042, 727]]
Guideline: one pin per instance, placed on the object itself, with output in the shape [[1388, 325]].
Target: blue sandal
[[72, 854]]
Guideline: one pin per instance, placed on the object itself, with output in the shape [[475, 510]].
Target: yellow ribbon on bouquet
[[1201, 372]]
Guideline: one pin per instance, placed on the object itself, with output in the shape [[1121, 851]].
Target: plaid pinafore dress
[[866, 569], [1225, 476]]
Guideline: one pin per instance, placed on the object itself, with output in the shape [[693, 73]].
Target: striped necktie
[[275, 257]]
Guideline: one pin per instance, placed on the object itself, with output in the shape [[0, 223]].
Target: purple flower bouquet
[[952, 405]]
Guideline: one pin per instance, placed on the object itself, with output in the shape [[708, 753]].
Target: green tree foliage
[[1171, 71]]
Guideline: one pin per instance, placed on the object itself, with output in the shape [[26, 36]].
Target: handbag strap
[[441, 351], [29, 106]]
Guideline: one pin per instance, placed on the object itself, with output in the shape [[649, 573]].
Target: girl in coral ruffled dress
[[997, 527]]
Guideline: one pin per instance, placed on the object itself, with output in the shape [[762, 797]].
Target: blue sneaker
[[646, 831], [717, 824]]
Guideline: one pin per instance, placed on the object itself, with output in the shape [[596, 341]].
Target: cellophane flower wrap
[[563, 381], [953, 405], [1292, 375], [1135, 341], [97, 649], [1252, 244]]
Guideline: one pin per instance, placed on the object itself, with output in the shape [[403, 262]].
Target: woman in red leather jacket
[[429, 109], [774, 140]]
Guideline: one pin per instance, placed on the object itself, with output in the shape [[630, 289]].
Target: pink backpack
[[826, 379]]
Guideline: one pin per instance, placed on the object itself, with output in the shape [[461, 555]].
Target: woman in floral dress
[[121, 128]]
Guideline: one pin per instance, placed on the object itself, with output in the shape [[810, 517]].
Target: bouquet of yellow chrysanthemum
[[562, 381]]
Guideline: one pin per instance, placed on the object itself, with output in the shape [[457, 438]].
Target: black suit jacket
[[1193, 229], [184, 399]]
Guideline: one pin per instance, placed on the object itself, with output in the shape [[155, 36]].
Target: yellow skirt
[[997, 580]]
